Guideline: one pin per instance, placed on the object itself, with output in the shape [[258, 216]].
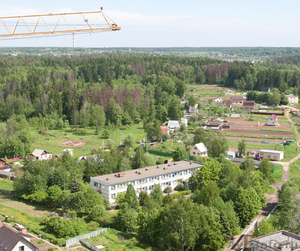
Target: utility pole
[[9, 183]]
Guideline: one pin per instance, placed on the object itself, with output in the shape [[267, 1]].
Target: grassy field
[[4, 184], [207, 93], [290, 152], [115, 240], [86, 140]]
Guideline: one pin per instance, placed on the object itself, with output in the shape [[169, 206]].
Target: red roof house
[[164, 129]]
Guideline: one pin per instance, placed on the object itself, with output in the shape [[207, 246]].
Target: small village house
[[173, 125], [193, 109], [218, 100], [237, 100], [271, 154], [273, 120], [3, 164], [184, 121], [39, 154], [198, 150], [266, 89], [292, 99], [70, 151], [227, 104], [12, 240], [164, 129]]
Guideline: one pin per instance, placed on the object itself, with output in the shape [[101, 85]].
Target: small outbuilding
[[273, 120], [173, 124], [198, 150], [193, 109], [271, 154], [184, 121], [70, 151]]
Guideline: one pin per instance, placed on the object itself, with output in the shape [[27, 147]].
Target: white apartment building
[[143, 179]]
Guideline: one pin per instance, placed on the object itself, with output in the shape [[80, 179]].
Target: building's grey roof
[[9, 238], [201, 147], [237, 98], [67, 150], [147, 172], [269, 151], [280, 240], [173, 123], [38, 151]]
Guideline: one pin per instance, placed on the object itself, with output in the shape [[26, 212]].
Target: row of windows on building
[[146, 188]]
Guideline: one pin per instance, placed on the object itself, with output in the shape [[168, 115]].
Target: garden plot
[[239, 126]]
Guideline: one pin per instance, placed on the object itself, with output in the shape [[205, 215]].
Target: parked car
[[264, 135]]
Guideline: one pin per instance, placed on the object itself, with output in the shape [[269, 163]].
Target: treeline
[[65, 87]]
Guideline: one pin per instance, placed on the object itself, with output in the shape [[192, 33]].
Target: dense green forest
[[114, 92]]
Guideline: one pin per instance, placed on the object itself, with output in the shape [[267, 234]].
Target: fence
[[89, 246], [85, 236]]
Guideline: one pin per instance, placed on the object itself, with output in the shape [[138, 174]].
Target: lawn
[[278, 174], [61, 139], [271, 190], [295, 169], [115, 240]]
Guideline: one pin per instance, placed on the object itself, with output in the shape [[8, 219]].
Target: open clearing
[[254, 140], [35, 211]]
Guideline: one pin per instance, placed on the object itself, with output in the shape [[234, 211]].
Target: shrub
[[176, 195], [179, 187], [105, 134], [168, 190]]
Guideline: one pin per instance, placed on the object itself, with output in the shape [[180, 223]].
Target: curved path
[[272, 199]]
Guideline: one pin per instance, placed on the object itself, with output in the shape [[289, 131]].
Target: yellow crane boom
[[39, 20]]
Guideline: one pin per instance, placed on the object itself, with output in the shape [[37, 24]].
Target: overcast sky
[[167, 23]]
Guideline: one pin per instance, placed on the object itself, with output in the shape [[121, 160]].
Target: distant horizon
[[150, 47]]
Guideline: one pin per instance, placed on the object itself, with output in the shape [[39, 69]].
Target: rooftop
[[237, 98], [201, 147], [280, 240], [9, 238], [270, 151], [146, 172]]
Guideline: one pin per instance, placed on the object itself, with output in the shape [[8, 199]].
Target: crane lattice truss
[[29, 25]]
